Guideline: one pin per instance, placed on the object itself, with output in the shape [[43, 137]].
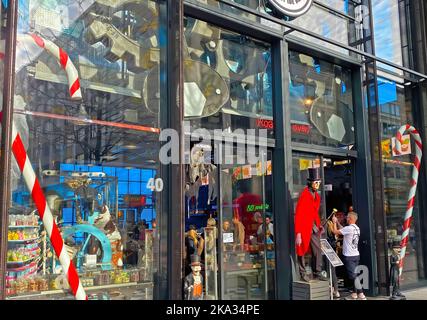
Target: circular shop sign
[[292, 8]]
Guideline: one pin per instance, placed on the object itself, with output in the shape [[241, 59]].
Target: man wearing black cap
[[307, 226]]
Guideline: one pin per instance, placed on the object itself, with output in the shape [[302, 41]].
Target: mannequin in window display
[[308, 228], [210, 238], [106, 223], [193, 283], [394, 272], [194, 244]]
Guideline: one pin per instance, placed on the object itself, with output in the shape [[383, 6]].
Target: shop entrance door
[[336, 190], [337, 185], [246, 242], [337, 180]]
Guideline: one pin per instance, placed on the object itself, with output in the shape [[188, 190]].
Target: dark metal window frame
[[291, 28], [6, 136]]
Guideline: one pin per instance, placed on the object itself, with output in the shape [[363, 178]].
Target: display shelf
[[11, 263], [87, 289], [21, 227], [23, 241]]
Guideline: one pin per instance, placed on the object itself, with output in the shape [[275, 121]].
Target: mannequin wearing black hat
[[307, 226], [193, 283], [394, 272], [194, 244]]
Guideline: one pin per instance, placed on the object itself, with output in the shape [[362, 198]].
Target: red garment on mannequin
[[307, 213]]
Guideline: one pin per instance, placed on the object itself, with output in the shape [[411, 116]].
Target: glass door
[[247, 256]]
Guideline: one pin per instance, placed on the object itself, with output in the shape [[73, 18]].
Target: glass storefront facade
[[260, 99], [87, 108]]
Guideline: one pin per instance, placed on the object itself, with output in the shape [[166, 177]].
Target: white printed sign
[[228, 237]]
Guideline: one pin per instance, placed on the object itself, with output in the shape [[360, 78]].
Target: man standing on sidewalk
[[351, 256]]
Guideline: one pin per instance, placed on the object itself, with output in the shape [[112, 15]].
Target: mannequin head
[[314, 180], [226, 225], [196, 270], [315, 185]]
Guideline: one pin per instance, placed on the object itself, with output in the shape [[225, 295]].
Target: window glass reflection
[[87, 103], [396, 110], [321, 102], [227, 79]]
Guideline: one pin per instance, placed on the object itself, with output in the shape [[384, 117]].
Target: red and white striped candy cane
[[414, 181], [60, 55], [52, 229], [65, 62]]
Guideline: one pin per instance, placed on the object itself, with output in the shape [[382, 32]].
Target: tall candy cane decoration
[[65, 62], [30, 178], [60, 55], [414, 181], [52, 229]]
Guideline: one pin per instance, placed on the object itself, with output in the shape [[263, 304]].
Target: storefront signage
[[301, 129], [291, 8], [253, 208], [265, 124], [135, 201]]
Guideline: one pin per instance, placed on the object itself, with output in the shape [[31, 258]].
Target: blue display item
[[90, 231]]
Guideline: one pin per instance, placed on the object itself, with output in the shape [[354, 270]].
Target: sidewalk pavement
[[415, 294]]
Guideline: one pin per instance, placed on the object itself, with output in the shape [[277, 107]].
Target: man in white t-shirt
[[351, 255]]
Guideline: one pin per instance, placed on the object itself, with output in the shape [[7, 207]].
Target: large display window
[[396, 110], [227, 79], [321, 102], [87, 109], [247, 242], [339, 20], [229, 220]]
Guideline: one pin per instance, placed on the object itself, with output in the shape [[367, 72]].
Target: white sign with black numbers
[[292, 8]]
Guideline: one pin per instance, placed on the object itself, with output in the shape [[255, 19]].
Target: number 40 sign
[[155, 184]]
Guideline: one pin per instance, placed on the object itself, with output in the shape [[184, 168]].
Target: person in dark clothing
[[394, 272]]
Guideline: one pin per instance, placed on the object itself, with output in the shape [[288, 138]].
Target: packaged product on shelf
[[32, 285], [21, 286], [134, 275], [125, 277], [42, 284], [10, 291], [142, 275]]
